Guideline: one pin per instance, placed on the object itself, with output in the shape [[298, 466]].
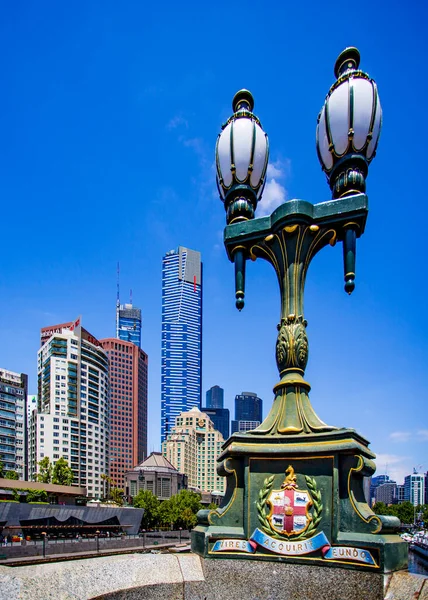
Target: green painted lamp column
[[295, 484]]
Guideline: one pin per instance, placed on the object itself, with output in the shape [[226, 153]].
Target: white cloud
[[177, 121], [395, 466], [423, 434], [400, 436], [274, 193]]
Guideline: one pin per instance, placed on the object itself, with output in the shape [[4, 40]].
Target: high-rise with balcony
[[72, 417], [13, 422], [128, 406], [181, 360], [193, 446]]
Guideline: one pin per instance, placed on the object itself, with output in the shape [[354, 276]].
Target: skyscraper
[[181, 367], [128, 324], [248, 412], [72, 418], [128, 366], [215, 397], [13, 422]]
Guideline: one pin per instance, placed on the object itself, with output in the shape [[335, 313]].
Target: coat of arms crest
[[289, 506]]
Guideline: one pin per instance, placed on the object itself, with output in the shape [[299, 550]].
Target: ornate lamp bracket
[[289, 239]]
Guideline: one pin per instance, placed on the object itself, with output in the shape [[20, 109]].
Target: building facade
[[215, 397], [128, 366], [387, 493], [157, 475], [128, 323], [31, 405], [181, 344], [13, 422], [193, 446], [221, 420], [72, 417], [414, 489], [248, 412]]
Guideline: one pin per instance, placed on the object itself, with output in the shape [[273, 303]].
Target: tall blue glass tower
[[181, 365], [128, 323]]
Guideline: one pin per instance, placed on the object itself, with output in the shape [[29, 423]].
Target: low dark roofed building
[[157, 475]]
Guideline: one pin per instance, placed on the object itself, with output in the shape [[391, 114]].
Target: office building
[[248, 412], [215, 397], [157, 475], [375, 483], [220, 418], [128, 323], [414, 488], [193, 446], [13, 422], [387, 493], [128, 366], [181, 344], [72, 418], [400, 493]]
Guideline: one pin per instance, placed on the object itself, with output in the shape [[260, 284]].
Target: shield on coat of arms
[[289, 507]]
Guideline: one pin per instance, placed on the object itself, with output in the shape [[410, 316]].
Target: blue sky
[[109, 114]]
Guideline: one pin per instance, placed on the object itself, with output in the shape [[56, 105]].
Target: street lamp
[[44, 543], [322, 495]]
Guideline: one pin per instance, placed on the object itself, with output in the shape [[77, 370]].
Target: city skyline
[[105, 139]]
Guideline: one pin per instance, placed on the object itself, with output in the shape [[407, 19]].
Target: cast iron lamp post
[[295, 484], [347, 135]]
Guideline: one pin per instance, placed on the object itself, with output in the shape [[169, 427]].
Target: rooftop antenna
[[117, 301], [118, 276]]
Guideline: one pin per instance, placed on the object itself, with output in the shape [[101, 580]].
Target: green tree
[[45, 470], [1, 469], [116, 494], [37, 496], [147, 500], [11, 475], [62, 473], [181, 509], [108, 483], [380, 508], [405, 512]]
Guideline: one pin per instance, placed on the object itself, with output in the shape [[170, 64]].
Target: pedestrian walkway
[[36, 560]]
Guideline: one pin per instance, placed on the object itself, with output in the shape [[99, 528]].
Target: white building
[[73, 405], [31, 405], [414, 489], [193, 446]]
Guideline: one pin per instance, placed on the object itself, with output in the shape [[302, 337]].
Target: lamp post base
[[299, 499]]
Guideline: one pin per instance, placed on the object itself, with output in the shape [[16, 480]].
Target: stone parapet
[[189, 577]]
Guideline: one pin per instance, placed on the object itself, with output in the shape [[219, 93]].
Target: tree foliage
[[1, 469], [116, 494], [180, 510], [45, 470], [62, 473], [36, 496], [11, 475], [147, 500], [404, 511]]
